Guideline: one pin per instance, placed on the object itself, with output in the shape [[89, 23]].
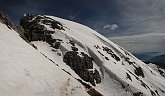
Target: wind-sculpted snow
[[90, 58]]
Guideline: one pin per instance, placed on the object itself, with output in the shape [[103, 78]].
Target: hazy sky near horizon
[[131, 16]]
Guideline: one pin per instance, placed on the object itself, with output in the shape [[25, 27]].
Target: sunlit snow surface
[[25, 71]]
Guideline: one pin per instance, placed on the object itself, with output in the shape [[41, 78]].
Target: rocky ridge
[[35, 31], [4, 18]]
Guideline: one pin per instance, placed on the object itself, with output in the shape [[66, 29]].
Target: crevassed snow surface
[[26, 72]]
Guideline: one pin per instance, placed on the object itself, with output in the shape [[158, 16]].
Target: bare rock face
[[34, 30], [81, 66], [6, 20], [139, 72], [110, 52]]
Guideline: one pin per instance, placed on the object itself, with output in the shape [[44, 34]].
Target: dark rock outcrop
[[106, 58], [35, 30], [81, 66], [161, 71], [74, 48], [139, 71], [56, 45], [110, 52], [6, 20], [129, 61], [128, 76], [138, 94], [72, 42], [91, 91]]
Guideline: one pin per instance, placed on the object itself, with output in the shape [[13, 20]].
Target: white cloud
[[112, 27], [141, 16], [150, 42]]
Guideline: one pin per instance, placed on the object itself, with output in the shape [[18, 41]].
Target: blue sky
[[109, 17], [131, 16], [78, 10]]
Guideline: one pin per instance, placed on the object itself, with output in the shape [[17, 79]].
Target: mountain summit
[[64, 58]]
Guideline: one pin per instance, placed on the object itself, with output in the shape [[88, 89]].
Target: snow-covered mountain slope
[[91, 58], [157, 68], [24, 71]]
